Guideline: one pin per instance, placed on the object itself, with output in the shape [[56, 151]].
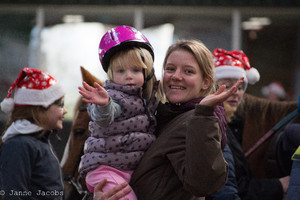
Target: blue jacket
[[230, 189], [293, 191], [29, 169], [248, 187]]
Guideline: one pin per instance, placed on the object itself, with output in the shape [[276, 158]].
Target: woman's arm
[[202, 169], [230, 190]]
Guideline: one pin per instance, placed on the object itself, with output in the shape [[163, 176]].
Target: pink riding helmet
[[119, 38]]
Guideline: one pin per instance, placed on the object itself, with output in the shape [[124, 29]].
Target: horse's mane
[[260, 116]]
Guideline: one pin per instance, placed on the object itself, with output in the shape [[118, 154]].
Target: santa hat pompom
[[7, 105], [252, 75]]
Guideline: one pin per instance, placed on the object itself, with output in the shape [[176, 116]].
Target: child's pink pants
[[114, 177]]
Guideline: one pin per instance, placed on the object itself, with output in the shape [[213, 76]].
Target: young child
[[29, 169], [122, 113]]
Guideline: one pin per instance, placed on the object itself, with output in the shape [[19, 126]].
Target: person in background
[[274, 91], [293, 192], [230, 66], [29, 168], [122, 113], [289, 155]]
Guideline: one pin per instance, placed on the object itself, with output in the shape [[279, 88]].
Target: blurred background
[[59, 36]]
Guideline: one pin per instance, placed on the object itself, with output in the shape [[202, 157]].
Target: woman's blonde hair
[[204, 59], [139, 57]]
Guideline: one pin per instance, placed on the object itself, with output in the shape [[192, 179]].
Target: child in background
[[122, 113], [29, 169]]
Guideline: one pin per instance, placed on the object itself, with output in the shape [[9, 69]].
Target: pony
[[75, 187], [260, 116]]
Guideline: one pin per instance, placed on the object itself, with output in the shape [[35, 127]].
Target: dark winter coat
[[29, 169], [185, 160], [230, 189], [249, 188], [122, 142]]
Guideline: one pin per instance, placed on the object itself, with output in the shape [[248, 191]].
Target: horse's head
[[74, 184]]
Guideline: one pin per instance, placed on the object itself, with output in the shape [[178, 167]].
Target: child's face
[[130, 76], [54, 116]]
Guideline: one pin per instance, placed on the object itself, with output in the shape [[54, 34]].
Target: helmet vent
[[112, 36]]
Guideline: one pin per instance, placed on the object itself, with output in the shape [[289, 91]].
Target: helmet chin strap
[[148, 77], [144, 71]]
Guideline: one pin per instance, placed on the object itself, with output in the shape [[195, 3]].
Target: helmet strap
[[141, 54], [144, 72], [148, 77]]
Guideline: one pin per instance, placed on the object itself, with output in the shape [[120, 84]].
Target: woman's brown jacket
[[186, 160]]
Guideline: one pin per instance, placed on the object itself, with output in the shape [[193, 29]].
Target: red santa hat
[[234, 64], [274, 87], [32, 87]]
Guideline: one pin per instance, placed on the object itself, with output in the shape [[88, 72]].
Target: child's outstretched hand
[[221, 95], [95, 95]]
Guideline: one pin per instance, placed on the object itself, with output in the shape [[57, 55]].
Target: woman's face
[[54, 116], [183, 79], [235, 99]]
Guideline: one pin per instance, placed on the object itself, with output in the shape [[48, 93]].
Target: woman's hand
[[95, 95], [221, 95], [285, 183], [114, 194]]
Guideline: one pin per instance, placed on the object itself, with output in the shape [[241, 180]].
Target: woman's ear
[[206, 83]]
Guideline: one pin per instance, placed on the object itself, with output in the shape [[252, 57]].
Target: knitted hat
[[234, 64], [32, 87]]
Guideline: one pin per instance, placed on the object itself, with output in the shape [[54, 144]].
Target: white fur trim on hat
[[44, 97], [7, 105], [226, 71]]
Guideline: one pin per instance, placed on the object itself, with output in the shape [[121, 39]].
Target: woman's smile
[[182, 78]]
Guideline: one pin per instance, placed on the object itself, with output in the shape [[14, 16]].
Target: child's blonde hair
[[139, 57]]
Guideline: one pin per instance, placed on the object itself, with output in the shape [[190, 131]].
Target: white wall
[[66, 47]]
